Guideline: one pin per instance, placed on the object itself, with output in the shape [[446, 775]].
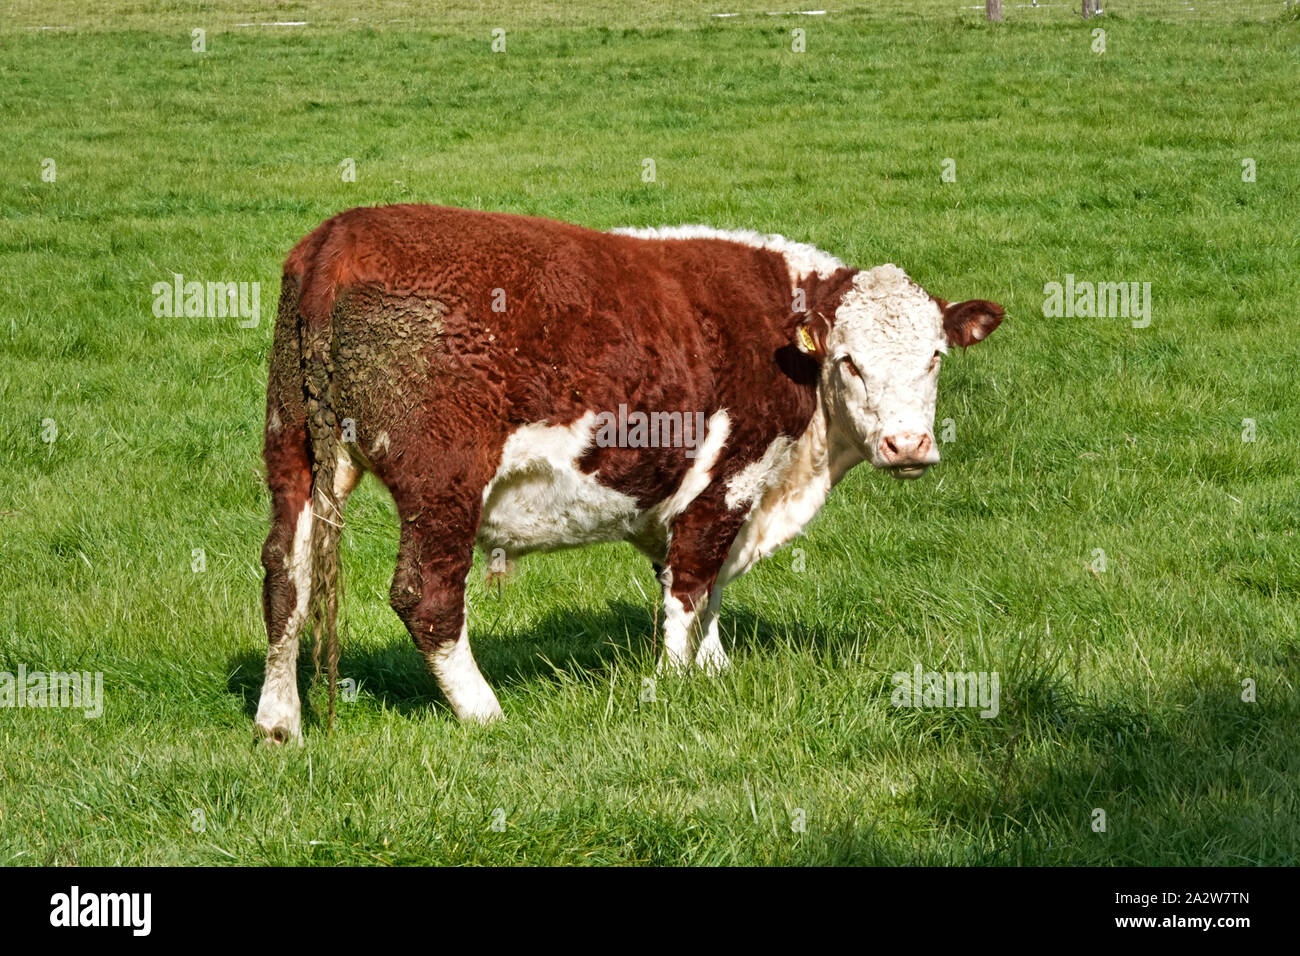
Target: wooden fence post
[[993, 10], [1089, 8]]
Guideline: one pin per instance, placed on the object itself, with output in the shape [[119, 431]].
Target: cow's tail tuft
[[327, 517]]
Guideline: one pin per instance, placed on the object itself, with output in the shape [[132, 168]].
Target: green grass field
[[1122, 688]]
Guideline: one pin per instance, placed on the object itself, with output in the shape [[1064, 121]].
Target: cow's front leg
[[701, 539], [710, 657], [691, 633], [680, 614]]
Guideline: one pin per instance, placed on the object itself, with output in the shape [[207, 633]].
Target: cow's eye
[[849, 365]]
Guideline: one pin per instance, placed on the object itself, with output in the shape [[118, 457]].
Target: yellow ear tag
[[806, 341]]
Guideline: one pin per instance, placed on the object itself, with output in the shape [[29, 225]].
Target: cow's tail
[[316, 330]]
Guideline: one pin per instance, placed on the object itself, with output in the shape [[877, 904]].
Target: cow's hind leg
[[286, 589], [428, 594]]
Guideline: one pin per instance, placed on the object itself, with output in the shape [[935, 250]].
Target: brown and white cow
[[476, 363]]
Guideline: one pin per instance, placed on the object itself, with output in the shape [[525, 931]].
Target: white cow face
[[880, 360]]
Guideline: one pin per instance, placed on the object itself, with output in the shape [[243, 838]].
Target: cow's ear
[[965, 323], [810, 336]]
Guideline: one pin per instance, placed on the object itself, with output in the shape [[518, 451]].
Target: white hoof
[[274, 730], [483, 711], [672, 663], [462, 683], [279, 712], [712, 659]]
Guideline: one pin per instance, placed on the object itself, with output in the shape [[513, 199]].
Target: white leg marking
[[679, 636], [462, 682], [279, 712], [710, 657]]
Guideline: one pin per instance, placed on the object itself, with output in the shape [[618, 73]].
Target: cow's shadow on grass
[[1024, 788], [589, 642], [1197, 780]]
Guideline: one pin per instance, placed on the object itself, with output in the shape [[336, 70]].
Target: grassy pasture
[[1121, 688]]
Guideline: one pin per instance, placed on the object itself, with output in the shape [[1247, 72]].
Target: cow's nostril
[[889, 447], [923, 446]]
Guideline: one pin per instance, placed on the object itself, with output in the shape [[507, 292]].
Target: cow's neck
[[843, 454], [823, 455], [817, 460]]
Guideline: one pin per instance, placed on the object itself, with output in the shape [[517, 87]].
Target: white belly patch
[[540, 500]]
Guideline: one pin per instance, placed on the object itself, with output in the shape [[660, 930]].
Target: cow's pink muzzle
[[908, 454]]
